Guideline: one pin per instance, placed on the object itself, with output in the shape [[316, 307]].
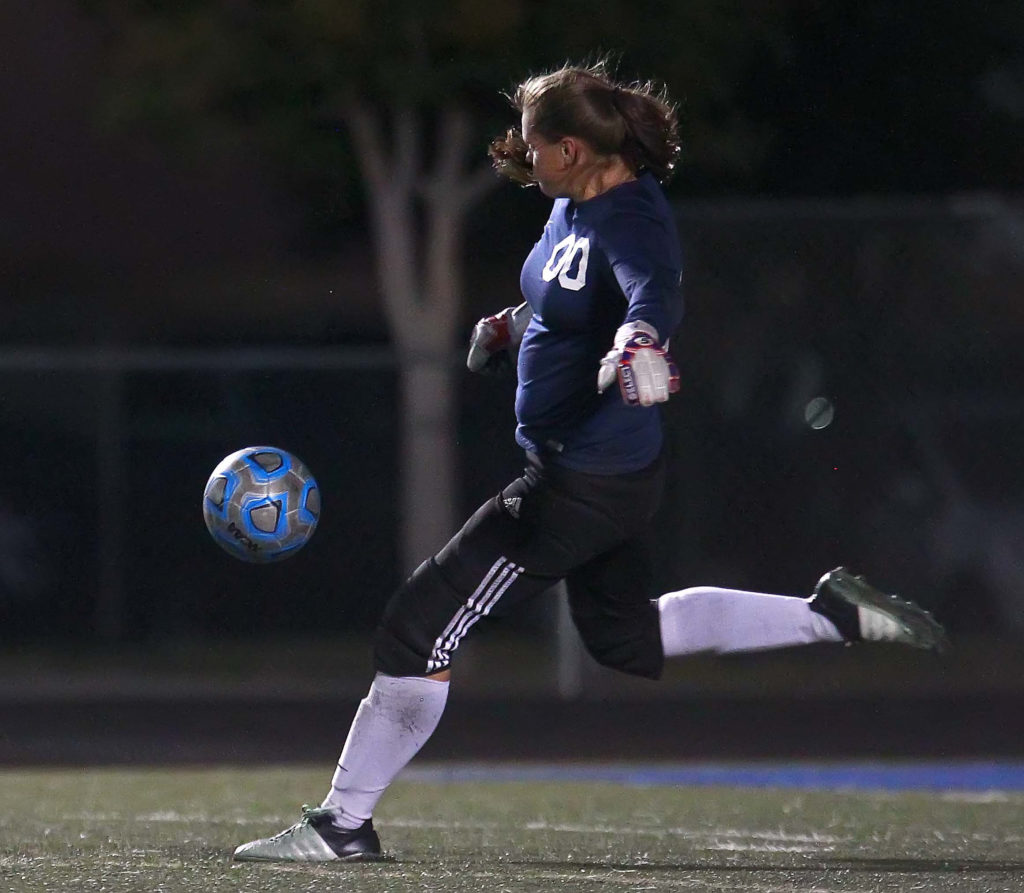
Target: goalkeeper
[[602, 290]]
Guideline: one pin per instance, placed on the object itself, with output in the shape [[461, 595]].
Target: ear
[[569, 150]]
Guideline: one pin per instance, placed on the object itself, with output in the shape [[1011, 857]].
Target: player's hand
[[645, 371], [494, 337]]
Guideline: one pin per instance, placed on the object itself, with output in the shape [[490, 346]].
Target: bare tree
[[422, 288]]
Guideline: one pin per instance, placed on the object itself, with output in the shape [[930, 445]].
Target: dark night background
[[852, 214]]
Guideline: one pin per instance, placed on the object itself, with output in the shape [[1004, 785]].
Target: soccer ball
[[261, 504]]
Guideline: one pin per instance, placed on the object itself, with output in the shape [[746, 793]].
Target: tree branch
[[453, 135], [407, 146], [477, 183], [389, 191], [366, 135]]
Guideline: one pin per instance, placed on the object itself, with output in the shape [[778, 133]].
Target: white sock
[[706, 618], [393, 722]]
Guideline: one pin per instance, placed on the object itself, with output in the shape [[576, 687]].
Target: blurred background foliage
[[784, 96]]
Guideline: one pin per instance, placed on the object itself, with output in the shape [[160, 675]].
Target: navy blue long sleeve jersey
[[609, 260]]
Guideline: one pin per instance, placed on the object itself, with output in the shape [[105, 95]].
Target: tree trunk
[[428, 448]]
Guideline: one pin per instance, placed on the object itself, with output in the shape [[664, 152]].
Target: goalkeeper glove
[[644, 369], [494, 337]]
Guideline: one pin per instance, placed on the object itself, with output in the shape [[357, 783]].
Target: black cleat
[[315, 838], [863, 613]]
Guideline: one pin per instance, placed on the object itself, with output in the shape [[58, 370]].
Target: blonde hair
[[636, 121]]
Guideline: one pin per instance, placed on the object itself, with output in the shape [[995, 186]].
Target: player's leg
[[423, 624], [843, 608], [624, 630], [514, 547], [609, 594], [709, 618], [394, 720], [611, 607]]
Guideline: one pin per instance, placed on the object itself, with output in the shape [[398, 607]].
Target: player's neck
[[600, 178]]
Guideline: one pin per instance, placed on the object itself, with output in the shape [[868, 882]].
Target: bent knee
[[631, 646], [405, 643]]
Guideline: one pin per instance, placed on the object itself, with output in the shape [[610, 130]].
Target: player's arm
[[495, 337], [639, 359], [645, 261]]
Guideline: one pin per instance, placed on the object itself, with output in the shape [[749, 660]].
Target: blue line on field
[[925, 776]]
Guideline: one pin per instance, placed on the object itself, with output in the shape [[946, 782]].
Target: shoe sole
[[354, 857], [365, 857], [923, 629]]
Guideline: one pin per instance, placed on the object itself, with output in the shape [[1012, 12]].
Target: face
[[548, 159]]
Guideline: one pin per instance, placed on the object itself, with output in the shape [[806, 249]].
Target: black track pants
[[550, 524]]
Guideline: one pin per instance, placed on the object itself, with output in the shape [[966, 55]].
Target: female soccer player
[[602, 290]]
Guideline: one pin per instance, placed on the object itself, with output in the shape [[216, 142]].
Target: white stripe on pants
[[496, 581]]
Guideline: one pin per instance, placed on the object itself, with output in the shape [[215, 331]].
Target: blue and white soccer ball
[[261, 504]]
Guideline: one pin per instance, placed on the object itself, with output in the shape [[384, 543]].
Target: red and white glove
[[494, 337], [644, 369]]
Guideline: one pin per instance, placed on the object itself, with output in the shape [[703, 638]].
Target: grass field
[[168, 830]]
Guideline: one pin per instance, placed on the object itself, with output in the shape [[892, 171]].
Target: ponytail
[[637, 121], [652, 130]]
